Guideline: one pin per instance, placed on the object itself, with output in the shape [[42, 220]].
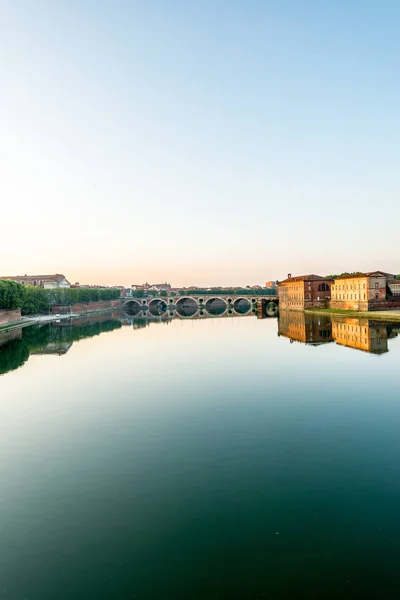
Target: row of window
[[348, 286], [347, 297], [34, 282], [345, 327]]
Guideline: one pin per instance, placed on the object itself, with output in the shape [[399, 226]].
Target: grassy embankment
[[371, 315]]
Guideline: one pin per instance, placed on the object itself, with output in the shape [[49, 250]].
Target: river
[[196, 459]]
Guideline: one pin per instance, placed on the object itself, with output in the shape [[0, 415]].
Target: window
[[323, 287]]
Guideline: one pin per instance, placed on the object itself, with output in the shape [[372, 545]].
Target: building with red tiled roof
[[359, 291], [44, 281], [304, 291]]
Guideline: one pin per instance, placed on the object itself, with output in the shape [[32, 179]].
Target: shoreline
[[371, 315], [40, 319]]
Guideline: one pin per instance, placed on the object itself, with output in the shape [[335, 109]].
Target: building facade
[[394, 286], [44, 281], [304, 291], [359, 292]]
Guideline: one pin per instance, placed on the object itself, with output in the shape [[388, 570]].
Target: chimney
[[289, 276]]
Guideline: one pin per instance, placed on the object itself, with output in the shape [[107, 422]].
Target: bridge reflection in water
[[17, 345], [357, 333]]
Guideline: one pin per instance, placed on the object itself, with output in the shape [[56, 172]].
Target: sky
[[217, 142]]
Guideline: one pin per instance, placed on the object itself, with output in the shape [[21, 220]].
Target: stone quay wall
[[9, 316], [65, 309], [381, 305], [364, 306]]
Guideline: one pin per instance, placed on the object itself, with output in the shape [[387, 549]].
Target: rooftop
[[368, 274], [311, 277], [56, 277]]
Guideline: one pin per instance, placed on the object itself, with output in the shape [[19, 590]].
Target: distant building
[[156, 287], [270, 284], [139, 286], [394, 286], [359, 292], [304, 291], [44, 281]]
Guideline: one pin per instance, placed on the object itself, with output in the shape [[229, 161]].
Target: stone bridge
[[196, 305]]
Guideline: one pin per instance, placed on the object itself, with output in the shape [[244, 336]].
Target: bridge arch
[[157, 307], [215, 306], [272, 309], [242, 306], [132, 307], [186, 306]]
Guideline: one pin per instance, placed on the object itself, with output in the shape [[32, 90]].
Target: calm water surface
[[200, 459]]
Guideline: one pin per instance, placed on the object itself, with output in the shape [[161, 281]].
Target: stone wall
[[358, 305], [314, 297], [9, 316], [83, 308], [85, 319], [386, 305], [361, 306], [315, 303]]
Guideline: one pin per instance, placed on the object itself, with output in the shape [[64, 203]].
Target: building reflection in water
[[306, 328], [313, 329], [361, 334], [358, 333]]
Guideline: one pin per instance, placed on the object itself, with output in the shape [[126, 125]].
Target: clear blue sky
[[209, 142]]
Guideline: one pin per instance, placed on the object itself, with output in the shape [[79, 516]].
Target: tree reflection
[[54, 338]]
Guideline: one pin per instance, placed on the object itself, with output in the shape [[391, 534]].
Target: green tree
[[35, 301], [11, 294]]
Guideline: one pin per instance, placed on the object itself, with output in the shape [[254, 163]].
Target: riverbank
[[387, 315], [25, 321], [41, 319]]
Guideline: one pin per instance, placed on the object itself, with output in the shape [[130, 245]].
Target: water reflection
[[305, 328], [361, 334], [357, 333], [198, 460], [17, 345]]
